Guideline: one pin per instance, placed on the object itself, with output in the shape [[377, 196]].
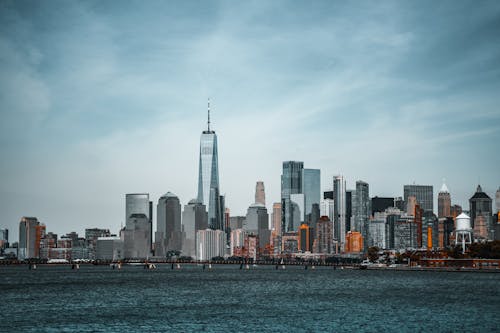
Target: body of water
[[261, 299]]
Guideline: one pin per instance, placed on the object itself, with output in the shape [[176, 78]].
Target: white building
[[210, 243]]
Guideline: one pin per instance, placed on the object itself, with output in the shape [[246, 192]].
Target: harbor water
[[259, 299]]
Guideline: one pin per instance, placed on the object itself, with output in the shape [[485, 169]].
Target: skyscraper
[[444, 202], [311, 188], [194, 218], [276, 218], [260, 195], [208, 177], [168, 235], [423, 194], [339, 195], [210, 244], [28, 247], [136, 203], [291, 183], [480, 208], [361, 209]]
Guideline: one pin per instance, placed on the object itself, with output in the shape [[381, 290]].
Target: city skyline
[[87, 118]]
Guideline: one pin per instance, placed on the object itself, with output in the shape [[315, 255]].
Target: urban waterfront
[[227, 299]]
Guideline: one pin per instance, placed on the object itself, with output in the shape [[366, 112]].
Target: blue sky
[[99, 99]]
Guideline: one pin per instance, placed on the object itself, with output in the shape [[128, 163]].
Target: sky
[[103, 98]]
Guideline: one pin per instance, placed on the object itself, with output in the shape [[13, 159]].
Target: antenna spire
[[209, 114]]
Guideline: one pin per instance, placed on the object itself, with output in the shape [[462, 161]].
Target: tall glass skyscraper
[[311, 179], [208, 177], [339, 195], [291, 183]]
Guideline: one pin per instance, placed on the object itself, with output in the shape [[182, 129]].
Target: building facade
[[291, 183], [444, 202], [423, 195], [339, 194], [168, 235], [260, 194], [194, 218], [209, 244]]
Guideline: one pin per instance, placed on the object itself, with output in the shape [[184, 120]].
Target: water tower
[[463, 232]]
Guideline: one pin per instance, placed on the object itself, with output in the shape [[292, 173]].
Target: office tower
[[28, 234], [276, 218], [209, 244], [324, 236], [444, 202], [208, 177], [311, 188], [136, 237], [328, 195], [315, 215], [260, 195], [136, 203], [349, 197], [168, 235], [91, 235], [377, 231], [305, 238], [327, 208], [237, 242], [480, 208], [138, 221], [291, 183], [237, 222], [194, 218], [379, 204], [353, 242], [227, 218], [361, 208], [257, 223], [423, 194], [339, 194], [497, 201], [418, 216], [297, 207], [405, 233], [430, 221], [411, 203]]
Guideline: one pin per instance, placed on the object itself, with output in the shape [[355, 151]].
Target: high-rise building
[[339, 194], [109, 248], [350, 196], [361, 209], [237, 241], [311, 188], [291, 183], [257, 223], [444, 202], [260, 194], [423, 194], [168, 235], [324, 236], [136, 237], [327, 208], [379, 204], [276, 218], [411, 203], [480, 208], [377, 231], [91, 236], [328, 195], [305, 238], [28, 234], [236, 222], [208, 177], [136, 203], [194, 218], [353, 242], [209, 244]]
